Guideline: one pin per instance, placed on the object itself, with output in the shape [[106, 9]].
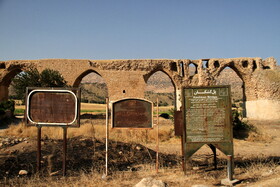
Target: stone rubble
[[151, 182], [6, 142]]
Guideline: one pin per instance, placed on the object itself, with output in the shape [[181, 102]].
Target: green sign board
[[207, 117]]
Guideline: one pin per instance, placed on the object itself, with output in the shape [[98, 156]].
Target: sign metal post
[[39, 148], [107, 136], [157, 147], [64, 150]]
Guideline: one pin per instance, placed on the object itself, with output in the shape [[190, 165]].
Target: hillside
[[229, 77], [94, 92]]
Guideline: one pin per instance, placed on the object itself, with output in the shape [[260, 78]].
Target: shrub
[[7, 105]]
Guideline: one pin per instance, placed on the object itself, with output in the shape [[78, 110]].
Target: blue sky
[[139, 29]]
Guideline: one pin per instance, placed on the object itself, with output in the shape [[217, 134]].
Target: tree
[[52, 78], [33, 78]]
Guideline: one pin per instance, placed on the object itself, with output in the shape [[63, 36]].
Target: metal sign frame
[[124, 99], [75, 92]]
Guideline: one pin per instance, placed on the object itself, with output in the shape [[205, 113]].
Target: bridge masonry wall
[[127, 78]]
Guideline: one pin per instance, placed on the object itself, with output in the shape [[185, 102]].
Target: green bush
[[7, 105]]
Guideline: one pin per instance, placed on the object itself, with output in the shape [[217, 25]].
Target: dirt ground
[[257, 159]]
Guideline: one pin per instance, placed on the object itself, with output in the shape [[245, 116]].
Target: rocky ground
[[82, 154], [257, 159]]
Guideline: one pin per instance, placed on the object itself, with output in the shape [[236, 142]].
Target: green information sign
[[207, 114], [207, 117]]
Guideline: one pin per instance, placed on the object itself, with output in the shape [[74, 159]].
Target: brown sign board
[[53, 106], [207, 117], [132, 113]]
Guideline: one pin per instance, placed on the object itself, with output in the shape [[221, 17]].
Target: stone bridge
[[128, 78]]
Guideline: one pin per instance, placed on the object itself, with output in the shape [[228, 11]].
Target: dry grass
[[259, 168], [92, 106], [259, 133], [173, 177], [95, 129], [259, 136], [248, 171], [255, 169]]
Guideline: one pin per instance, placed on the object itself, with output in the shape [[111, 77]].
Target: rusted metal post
[[215, 158], [64, 150], [157, 147], [39, 148], [107, 136], [230, 167], [183, 155], [146, 138], [184, 143]]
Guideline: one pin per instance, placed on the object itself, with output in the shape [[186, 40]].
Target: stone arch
[[147, 77], [233, 67], [93, 91], [191, 71], [169, 74], [176, 81], [83, 74], [164, 99], [6, 81], [243, 92]]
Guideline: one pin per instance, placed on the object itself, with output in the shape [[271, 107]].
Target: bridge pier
[[4, 93]]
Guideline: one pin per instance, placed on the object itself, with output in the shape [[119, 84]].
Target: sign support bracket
[[213, 148]]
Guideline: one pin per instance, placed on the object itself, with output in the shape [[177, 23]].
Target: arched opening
[[254, 65], [173, 66], [216, 64], [11, 90], [192, 69], [93, 94], [230, 76], [160, 85], [245, 64], [205, 63], [7, 92], [2, 65], [182, 69]]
